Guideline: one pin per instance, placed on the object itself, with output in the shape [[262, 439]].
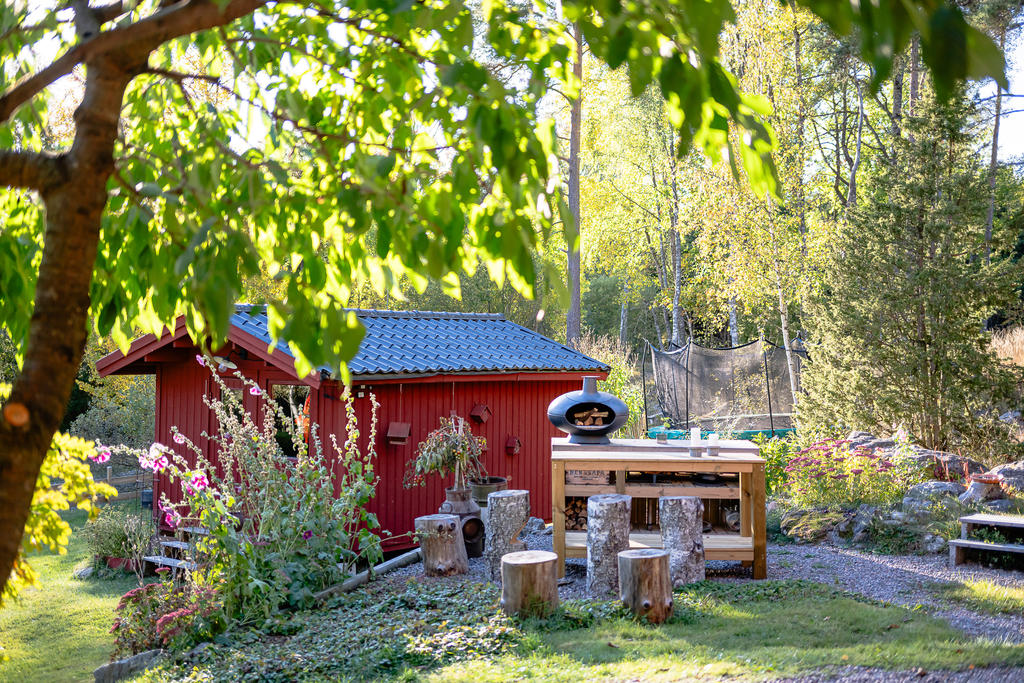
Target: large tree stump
[[607, 536], [508, 512], [444, 551], [644, 583], [529, 582], [682, 524]]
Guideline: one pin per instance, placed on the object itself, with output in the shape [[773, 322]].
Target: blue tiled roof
[[427, 342]]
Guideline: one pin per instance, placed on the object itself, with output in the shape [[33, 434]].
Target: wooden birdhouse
[[481, 413]]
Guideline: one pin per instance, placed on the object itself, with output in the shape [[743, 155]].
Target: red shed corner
[[420, 365]]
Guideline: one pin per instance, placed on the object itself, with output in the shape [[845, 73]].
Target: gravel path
[[902, 580]]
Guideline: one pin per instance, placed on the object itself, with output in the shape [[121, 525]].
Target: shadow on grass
[[801, 627]]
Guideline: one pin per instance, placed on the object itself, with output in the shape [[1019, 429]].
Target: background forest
[[892, 256]]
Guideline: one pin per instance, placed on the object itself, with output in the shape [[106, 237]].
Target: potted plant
[[119, 539], [452, 448]]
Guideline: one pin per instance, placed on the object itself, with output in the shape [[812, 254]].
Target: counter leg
[[558, 513], [760, 530], [746, 504]]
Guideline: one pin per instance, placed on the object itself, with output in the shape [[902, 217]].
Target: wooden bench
[[968, 524]]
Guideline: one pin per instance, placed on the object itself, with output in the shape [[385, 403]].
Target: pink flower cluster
[[100, 455], [196, 483], [156, 459]]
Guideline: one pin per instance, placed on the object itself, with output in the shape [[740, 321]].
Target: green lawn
[[984, 596], [412, 631], [59, 631]]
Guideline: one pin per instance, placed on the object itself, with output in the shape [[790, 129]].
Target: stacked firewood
[[576, 514], [591, 417]]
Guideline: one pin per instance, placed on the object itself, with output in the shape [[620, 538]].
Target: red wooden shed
[[420, 365]]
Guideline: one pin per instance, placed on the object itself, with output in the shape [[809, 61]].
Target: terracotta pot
[[121, 563]]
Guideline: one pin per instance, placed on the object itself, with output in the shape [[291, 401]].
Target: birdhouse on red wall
[[481, 413], [513, 445], [398, 433]]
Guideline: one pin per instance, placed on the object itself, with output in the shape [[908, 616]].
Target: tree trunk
[[573, 318], [440, 539], [915, 90], [993, 162], [74, 200], [682, 525], [800, 123], [784, 317], [897, 107], [529, 583], [607, 536], [851, 194], [734, 332], [677, 288], [507, 514], [624, 313], [645, 587]]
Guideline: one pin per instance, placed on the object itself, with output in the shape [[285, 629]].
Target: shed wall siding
[[519, 408]]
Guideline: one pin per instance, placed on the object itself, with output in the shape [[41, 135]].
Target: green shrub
[[164, 615], [776, 452]]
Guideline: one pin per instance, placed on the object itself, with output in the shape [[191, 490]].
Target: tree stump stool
[[440, 539], [644, 583], [529, 582], [508, 512], [607, 536], [682, 524]]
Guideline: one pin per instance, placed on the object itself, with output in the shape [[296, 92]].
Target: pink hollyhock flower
[[171, 519], [160, 463], [200, 360], [100, 456], [255, 391], [196, 483], [178, 437]]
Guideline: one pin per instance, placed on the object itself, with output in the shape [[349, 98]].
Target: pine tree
[[898, 336]]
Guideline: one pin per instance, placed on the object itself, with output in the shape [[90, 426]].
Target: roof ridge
[[261, 309], [424, 315]]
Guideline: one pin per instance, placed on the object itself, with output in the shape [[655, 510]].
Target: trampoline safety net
[[736, 389]]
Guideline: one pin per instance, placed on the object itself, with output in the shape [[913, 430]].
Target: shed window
[[294, 406]]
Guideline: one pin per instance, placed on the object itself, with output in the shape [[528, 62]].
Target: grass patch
[[59, 631], [984, 596], [453, 631]]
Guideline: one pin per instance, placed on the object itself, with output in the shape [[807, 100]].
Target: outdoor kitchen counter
[[647, 455]]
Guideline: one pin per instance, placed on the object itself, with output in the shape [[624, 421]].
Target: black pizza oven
[[589, 415]]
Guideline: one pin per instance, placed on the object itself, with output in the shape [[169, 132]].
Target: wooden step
[[957, 547], [716, 546], [163, 561], [194, 530], [985, 519], [177, 545]]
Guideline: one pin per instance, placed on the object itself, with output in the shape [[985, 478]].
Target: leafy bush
[[164, 615], [121, 412], [777, 453], [623, 380], [277, 531], [118, 533], [829, 473]]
